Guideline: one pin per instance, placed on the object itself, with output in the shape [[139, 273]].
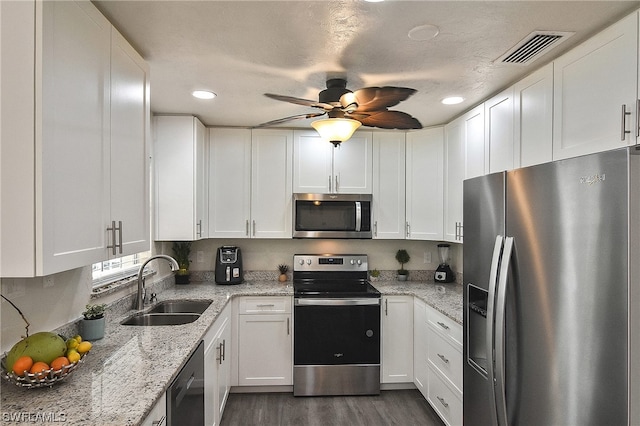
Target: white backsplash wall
[[265, 255]]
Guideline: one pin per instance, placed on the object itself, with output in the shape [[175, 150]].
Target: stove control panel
[[330, 262]]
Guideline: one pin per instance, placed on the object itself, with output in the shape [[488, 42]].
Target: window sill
[[119, 285]]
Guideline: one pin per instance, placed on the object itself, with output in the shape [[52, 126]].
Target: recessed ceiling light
[[203, 94], [452, 100], [424, 32]]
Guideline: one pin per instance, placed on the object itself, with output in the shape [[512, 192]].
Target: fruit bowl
[[46, 378]]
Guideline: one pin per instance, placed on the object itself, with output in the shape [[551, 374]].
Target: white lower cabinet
[[217, 367], [397, 339], [420, 345], [265, 341], [444, 366], [158, 414]]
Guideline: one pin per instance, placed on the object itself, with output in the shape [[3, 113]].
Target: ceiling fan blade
[[380, 98], [291, 118], [299, 101], [387, 120]]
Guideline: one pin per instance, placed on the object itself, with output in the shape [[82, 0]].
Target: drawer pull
[[443, 325], [443, 358], [269, 305], [443, 402], [159, 422]]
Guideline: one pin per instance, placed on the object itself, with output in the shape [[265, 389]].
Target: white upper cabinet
[[318, 167], [533, 118], [71, 140], [464, 158], [424, 191], [250, 180], [229, 183], [498, 131], [389, 185], [595, 93], [271, 183], [180, 164]]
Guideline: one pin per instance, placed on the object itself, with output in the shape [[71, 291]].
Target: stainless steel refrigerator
[[551, 297]]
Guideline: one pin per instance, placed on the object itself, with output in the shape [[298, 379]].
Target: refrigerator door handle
[[491, 297], [500, 312]]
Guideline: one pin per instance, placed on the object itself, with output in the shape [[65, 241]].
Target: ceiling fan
[[368, 105]]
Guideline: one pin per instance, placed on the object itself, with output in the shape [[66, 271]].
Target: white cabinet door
[[397, 339], [353, 164], [424, 192], [533, 118], [179, 160], [217, 367], [498, 128], [594, 84], [229, 183], [158, 414], [389, 186], [224, 371], [265, 350], [420, 345], [320, 168], [271, 183], [464, 158], [130, 128]]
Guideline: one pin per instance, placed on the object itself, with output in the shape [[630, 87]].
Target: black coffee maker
[[444, 274], [228, 265]]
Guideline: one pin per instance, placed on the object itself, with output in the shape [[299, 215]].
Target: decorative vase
[[402, 277], [183, 278], [92, 329]]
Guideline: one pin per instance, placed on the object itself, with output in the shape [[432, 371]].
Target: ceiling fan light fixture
[[336, 130], [203, 94]]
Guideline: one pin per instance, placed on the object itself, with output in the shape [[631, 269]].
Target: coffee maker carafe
[[444, 274]]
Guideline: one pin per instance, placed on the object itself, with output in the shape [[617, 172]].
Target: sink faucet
[[141, 290]]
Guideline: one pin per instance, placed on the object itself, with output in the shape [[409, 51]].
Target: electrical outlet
[[48, 281], [427, 257], [200, 256]]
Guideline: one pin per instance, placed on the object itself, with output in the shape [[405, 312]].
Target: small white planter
[[402, 277], [92, 329]]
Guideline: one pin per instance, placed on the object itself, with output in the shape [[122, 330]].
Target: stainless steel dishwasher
[[185, 396]]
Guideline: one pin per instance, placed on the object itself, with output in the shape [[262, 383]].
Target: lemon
[[73, 356], [84, 347], [78, 338], [72, 343]]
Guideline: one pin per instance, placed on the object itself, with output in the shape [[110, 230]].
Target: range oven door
[[336, 346]]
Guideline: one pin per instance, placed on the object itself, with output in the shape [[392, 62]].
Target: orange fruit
[[59, 362], [38, 368], [22, 364]]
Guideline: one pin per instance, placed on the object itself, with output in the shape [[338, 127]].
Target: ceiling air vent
[[533, 46]]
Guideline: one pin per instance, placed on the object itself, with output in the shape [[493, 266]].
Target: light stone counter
[[130, 368]]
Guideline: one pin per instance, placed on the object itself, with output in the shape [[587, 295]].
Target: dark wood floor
[[396, 407]]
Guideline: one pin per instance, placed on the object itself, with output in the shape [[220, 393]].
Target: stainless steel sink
[[150, 319], [181, 306]]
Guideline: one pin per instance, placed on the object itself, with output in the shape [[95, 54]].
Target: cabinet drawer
[[445, 325], [446, 357], [446, 402], [265, 305]]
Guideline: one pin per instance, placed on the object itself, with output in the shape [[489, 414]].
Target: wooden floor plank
[[397, 407]]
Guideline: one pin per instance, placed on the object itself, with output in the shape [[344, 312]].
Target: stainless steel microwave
[[332, 216]]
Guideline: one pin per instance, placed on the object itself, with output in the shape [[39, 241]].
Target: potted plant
[[92, 325], [374, 275], [181, 252], [402, 256], [283, 272]]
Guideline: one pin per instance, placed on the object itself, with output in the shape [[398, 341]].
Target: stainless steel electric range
[[336, 326]]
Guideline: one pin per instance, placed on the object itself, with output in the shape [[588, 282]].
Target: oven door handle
[[336, 302]]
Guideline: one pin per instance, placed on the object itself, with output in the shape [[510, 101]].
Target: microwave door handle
[[358, 216]]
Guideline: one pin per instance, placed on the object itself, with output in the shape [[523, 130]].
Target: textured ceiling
[[243, 49]]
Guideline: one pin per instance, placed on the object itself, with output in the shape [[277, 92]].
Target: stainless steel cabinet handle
[[443, 325], [330, 182], [254, 228], [386, 307], [408, 226], [159, 422], [267, 305], [224, 349], [375, 228], [637, 118], [443, 401], [443, 358], [246, 230], [219, 353], [120, 235], [114, 239], [199, 228], [336, 178], [288, 327], [623, 129]]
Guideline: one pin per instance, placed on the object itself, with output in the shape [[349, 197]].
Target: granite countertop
[[130, 368]]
